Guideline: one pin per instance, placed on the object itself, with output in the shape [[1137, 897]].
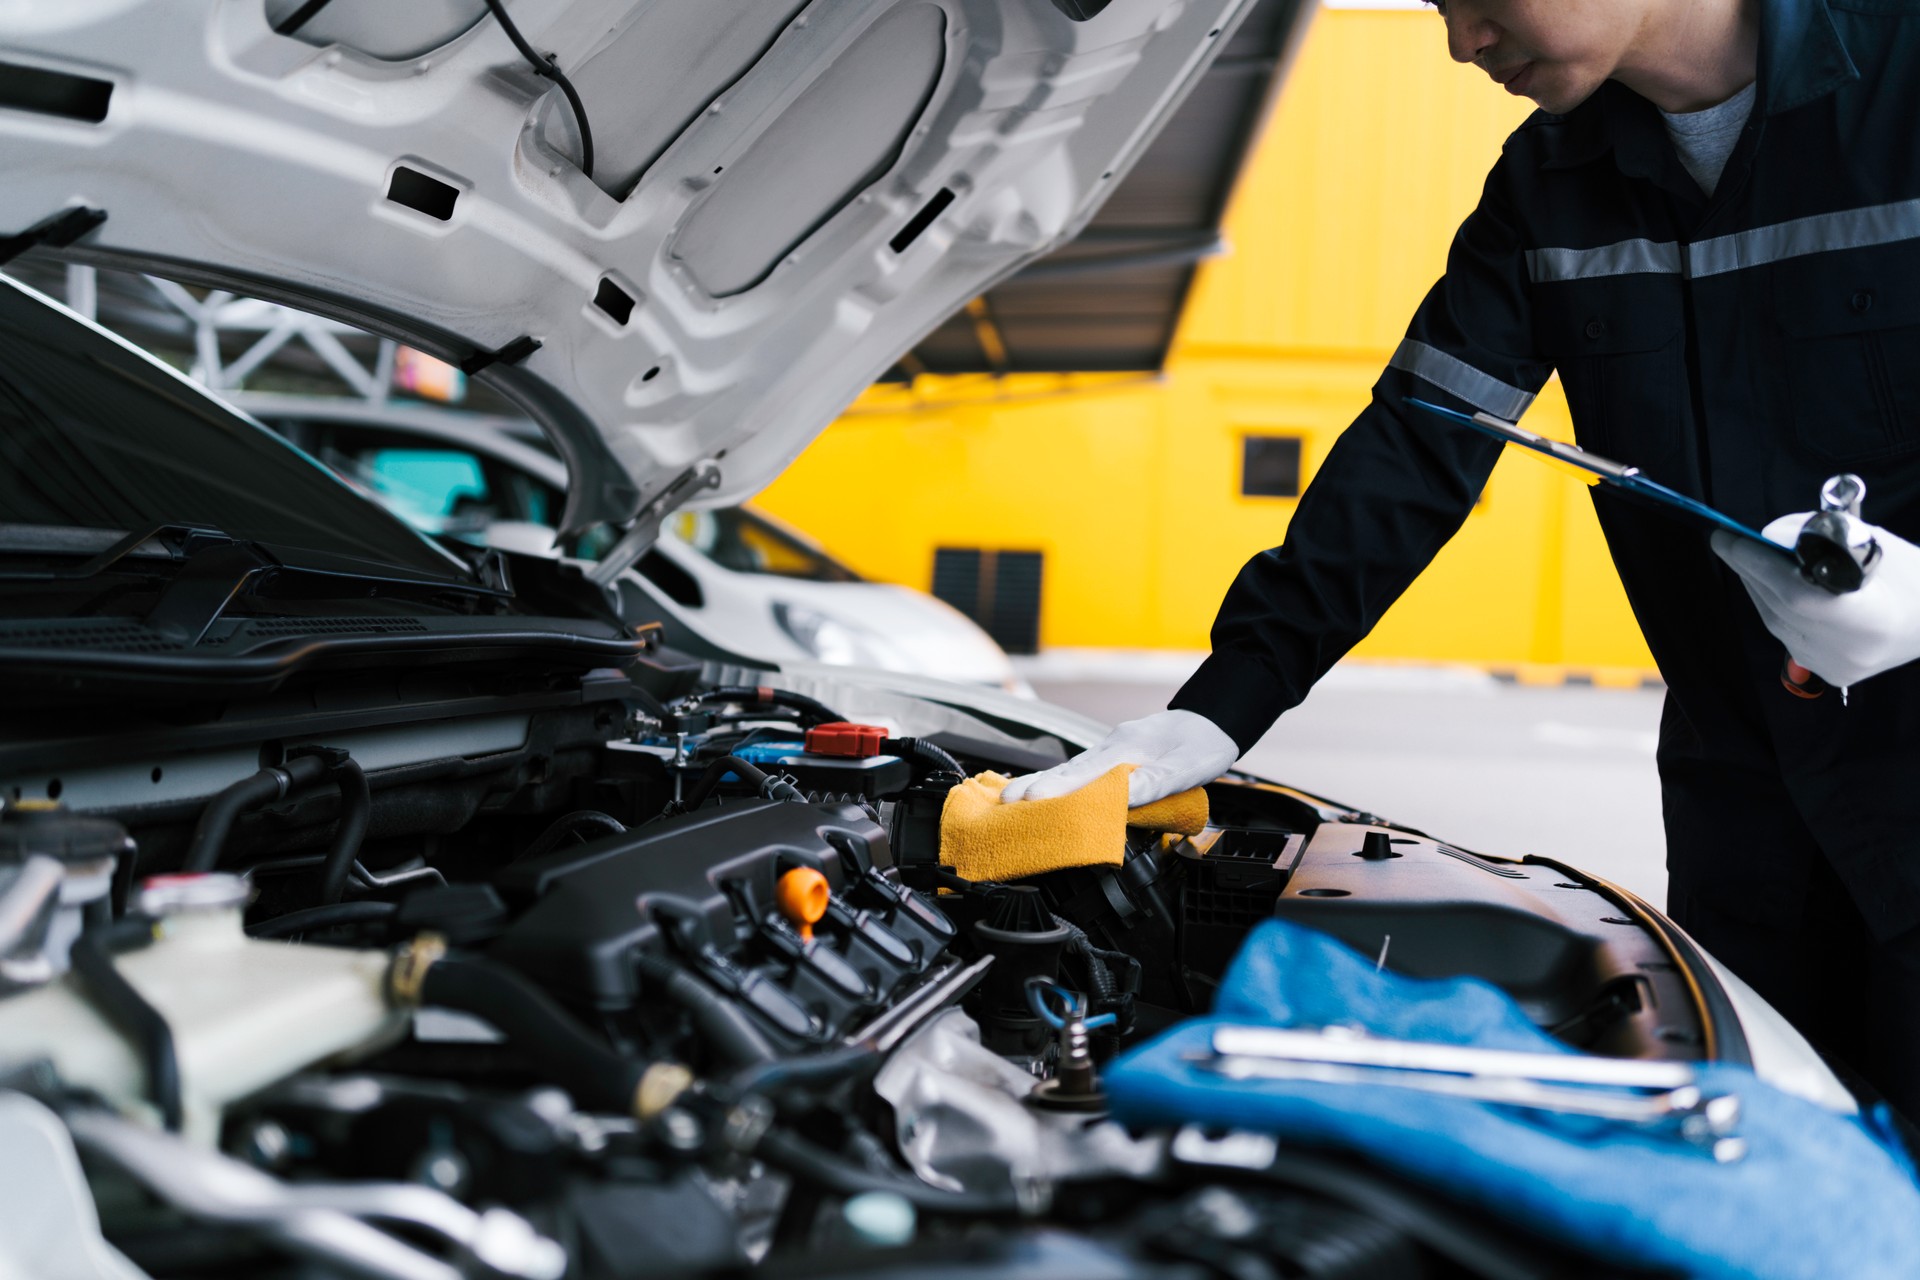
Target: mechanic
[[1711, 229]]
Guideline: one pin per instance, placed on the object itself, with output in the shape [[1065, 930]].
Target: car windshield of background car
[[737, 539], [94, 436]]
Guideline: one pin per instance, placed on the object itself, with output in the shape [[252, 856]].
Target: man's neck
[[1693, 54]]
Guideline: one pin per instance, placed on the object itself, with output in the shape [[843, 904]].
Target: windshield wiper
[[173, 541], [211, 577], [214, 569]]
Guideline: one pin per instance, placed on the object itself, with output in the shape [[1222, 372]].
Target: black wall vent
[[417, 191], [1000, 590], [1270, 467], [54, 93]]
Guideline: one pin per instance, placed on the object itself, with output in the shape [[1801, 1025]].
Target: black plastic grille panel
[[105, 633]]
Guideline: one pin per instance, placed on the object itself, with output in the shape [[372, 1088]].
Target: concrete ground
[[1567, 772]]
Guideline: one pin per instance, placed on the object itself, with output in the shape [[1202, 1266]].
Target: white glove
[[1172, 751], [1842, 639]]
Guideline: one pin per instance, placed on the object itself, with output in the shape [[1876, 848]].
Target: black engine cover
[[699, 890]]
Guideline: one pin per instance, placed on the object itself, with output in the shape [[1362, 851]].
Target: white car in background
[[732, 577]]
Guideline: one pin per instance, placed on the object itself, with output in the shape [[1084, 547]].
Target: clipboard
[[1616, 476]]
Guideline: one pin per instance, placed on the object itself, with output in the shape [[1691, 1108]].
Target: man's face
[[1556, 52]]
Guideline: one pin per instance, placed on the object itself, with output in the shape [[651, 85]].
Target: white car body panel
[[907, 630], [1781, 1055], [780, 151]]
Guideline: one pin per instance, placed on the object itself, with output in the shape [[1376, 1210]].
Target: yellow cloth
[[983, 839]]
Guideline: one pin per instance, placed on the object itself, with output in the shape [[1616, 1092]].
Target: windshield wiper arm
[[175, 543], [213, 574], [178, 541], [211, 578], [215, 568]]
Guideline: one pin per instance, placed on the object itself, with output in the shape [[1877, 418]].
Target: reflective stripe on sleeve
[[1458, 378]]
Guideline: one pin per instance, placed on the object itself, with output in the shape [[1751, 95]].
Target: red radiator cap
[[857, 741]]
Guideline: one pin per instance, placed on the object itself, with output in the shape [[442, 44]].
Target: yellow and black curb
[[1555, 675]]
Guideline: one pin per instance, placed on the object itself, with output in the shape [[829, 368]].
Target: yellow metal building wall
[[1130, 485]]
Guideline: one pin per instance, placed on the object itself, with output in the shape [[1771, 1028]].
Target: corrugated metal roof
[[1111, 298]]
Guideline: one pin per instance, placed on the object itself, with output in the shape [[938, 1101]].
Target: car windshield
[[737, 539], [96, 436]]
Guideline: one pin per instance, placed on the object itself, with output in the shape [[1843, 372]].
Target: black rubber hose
[[356, 810], [934, 757], [312, 919], [300, 17], [811, 709], [547, 67], [1477, 1250], [721, 1023], [817, 1165], [1097, 972], [947, 878], [828, 1067], [719, 769], [585, 823], [598, 1077], [217, 819], [129, 1013]]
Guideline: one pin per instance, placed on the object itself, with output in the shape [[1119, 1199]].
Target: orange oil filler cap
[[802, 894]]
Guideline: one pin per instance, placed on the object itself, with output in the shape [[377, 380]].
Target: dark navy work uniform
[[1742, 349]]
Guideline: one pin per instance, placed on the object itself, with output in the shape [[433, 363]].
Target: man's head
[[1556, 52]]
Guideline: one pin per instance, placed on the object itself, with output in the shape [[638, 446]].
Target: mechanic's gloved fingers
[[1785, 624], [1173, 750], [1057, 781], [1062, 779], [1847, 638], [1771, 580], [1149, 783], [1017, 788], [1741, 556], [1786, 529], [1146, 784], [1774, 594], [1206, 753], [1747, 559], [1797, 635]]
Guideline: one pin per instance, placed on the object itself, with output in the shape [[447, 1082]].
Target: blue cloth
[[1818, 1196]]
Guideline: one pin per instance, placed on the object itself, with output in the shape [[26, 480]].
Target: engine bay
[[653, 974]]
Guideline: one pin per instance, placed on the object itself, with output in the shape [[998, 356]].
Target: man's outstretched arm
[[1396, 485]]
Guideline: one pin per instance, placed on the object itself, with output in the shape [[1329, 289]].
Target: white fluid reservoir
[[244, 1013]]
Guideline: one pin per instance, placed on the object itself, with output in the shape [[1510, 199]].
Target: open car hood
[[785, 195]]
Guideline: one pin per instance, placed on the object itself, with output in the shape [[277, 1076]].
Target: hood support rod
[[645, 529]]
